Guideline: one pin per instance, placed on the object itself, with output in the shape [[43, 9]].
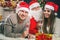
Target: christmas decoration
[[42, 36]]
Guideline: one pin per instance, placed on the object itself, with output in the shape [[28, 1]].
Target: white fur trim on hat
[[49, 7], [22, 8], [34, 5]]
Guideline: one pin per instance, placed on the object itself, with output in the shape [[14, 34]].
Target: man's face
[[47, 12], [36, 12], [22, 14]]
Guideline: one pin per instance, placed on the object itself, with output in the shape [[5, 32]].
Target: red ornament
[[43, 37]]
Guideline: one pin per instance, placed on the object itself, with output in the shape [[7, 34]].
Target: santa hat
[[22, 6], [52, 6], [33, 4], [35, 0]]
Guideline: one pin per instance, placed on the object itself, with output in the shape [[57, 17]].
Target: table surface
[[2, 37]]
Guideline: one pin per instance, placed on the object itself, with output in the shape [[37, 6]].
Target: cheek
[[49, 13], [25, 15], [46, 15], [19, 14]]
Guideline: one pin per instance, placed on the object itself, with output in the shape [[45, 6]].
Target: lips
[[22, 16], [47, 15]]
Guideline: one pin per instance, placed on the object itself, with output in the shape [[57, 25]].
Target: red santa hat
[[52, 6], [35, 0], [22, 6], [33, 4]]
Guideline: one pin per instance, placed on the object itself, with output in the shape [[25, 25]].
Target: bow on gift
[[44, 37]]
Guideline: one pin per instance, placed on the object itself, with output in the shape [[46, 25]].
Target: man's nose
[[36, 8], [23, 12]]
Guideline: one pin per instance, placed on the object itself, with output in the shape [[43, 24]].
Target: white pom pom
[[55, 14]]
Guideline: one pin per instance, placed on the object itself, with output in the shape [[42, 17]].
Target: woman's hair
[[50, 22]]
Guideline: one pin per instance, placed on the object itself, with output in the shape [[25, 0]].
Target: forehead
[[22, 11], [47, 9], [36, 7]]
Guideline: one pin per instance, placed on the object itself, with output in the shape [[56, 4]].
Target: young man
[[36, 16], [18, 24]]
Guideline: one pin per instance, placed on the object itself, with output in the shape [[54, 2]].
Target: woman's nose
[[46, 12]]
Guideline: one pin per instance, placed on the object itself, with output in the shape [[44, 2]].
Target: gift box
[[42, 36]]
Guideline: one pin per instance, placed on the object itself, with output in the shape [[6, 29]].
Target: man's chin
[[22, 19]]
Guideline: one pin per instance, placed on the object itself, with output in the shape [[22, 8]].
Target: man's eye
[[33, 8], [26, 12], [22, 11]]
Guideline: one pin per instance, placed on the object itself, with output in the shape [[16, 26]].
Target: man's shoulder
[[13, 17], [10, 16]]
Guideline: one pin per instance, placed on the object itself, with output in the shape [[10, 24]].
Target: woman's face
[[47, 13], [22, 14]]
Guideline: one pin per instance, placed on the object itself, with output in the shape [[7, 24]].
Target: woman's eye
[[48, 11]]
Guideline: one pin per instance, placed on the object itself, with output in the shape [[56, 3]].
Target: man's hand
[[26, 32]]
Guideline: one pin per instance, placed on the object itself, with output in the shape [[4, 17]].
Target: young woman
[[49, 17]]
